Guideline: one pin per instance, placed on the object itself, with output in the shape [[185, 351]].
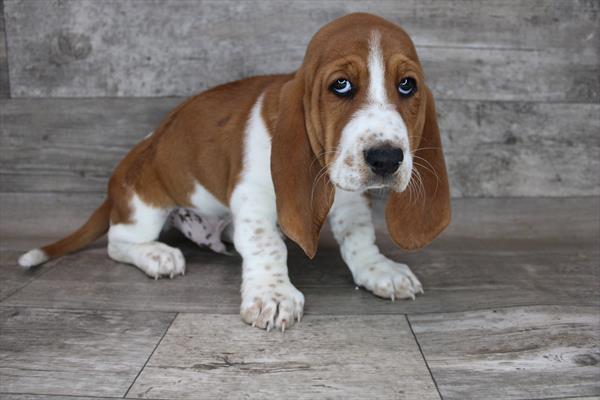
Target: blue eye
[[341, 87], [407, 87]]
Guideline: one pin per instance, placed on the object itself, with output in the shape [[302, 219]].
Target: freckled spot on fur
[[273, 299], [267, 267], [278, 274], [272, 285], [274, 252], [259, 231], [354, 253], [278, 295], [349, 161], [247, 220], [371, 268], [256, 299], [280, 281]]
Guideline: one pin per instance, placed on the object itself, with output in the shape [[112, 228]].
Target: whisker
[[428, 163], [431, 171], [413, 192], [323, 172], [410, 190], [421, 185], [321, 154], [437, 179], [427, 148]]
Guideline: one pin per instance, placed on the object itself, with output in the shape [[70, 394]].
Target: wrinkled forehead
[[353, 35]]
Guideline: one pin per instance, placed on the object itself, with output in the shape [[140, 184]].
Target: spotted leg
[[204, 230], [350, 220], [269, 300]]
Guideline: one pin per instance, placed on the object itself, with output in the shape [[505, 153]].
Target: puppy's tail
[[96, 226]]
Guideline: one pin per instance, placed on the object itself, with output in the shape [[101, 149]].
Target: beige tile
[[217, 356]]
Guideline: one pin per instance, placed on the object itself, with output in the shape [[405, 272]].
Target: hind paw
[[158, 260]]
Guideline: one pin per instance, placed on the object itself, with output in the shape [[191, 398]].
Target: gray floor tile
[[93, 353], [516, 353], [207, 356]]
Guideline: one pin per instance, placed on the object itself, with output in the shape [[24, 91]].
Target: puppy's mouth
[[397, 182], [383, 167], [365, 179], [379, 182]]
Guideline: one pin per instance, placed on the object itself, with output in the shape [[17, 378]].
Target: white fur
[[376, 65], [350, 220], [135, 243], [268, 297], [32, 258], [375, 123], [206, 204]]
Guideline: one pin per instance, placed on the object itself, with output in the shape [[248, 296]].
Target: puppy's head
[[356, 116]]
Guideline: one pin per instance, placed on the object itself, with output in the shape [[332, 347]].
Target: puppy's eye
[[407, 87], [341, 87]]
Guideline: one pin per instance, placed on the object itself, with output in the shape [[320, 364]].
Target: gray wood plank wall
[[517, 82], [4, 90]]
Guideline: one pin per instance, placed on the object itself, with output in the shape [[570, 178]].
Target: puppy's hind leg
[[134, 241]]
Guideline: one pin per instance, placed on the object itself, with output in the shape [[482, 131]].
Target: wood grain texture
[[14, 278], [510, 310], [216, 356], [526, 259], [452, 282], [512, 224], [4, 82], [4, 85], [530, 352], [75, 352], [492, 148], [8, 396], [508, 50]]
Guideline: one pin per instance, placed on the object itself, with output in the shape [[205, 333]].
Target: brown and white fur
[[285, 151]]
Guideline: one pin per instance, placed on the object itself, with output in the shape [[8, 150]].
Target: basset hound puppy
[[288, 151]]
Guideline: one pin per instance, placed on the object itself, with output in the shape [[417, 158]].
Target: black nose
[[384, 160]]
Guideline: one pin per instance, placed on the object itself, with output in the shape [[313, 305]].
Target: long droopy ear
[[415, 219], [302, 188]]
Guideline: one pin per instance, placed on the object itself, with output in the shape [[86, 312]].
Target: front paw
[[389, 280], [271, 302]]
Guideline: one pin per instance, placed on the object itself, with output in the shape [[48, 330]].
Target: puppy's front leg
[[350, 220], [268, 297]]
